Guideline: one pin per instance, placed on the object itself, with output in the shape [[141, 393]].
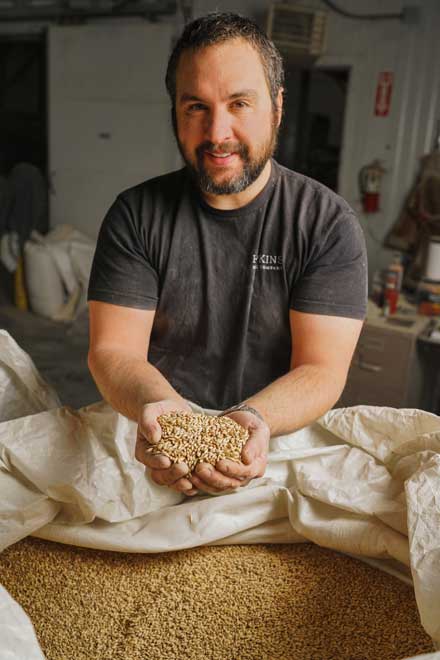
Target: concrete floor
[[59, 351]]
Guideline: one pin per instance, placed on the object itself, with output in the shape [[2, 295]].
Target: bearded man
[[233, 283]]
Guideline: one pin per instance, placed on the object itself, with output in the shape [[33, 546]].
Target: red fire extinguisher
[[369, 183]]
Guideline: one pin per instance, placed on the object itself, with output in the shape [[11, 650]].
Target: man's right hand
[[163, 472]]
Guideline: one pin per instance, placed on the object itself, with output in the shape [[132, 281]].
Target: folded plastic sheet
[[17, 635], [362, 480]]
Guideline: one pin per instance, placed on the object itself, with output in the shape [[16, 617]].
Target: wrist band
[[245, 408]]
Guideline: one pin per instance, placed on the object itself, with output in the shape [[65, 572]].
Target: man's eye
[[195, 106], [240, 104]]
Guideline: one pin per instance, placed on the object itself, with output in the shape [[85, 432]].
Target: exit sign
[[383, 94]]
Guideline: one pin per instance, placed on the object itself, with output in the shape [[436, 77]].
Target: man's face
[[226, 124]]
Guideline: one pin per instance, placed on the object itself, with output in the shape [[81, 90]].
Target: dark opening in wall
[[23, 104], [310, 139]]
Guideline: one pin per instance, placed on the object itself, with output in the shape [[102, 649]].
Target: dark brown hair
[[218, 27]]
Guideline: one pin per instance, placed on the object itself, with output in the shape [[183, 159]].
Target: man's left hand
[[229, 474]]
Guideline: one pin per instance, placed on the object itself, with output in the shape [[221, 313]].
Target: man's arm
[[119, 340], [117, 359], [322, 349]]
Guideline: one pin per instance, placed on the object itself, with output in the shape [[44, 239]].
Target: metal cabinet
[[386, 369]]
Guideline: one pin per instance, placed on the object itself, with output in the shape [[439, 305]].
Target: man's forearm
[[297, 398], [129, 382]]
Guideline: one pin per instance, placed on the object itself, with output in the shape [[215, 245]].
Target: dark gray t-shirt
[[222, 282]]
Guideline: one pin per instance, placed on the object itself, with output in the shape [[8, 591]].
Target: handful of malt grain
[[193, 438]]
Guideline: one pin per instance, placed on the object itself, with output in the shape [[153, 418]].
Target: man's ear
[[280, 99]]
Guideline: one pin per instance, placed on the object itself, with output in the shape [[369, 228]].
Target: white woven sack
[[81, 255], [43, 282]]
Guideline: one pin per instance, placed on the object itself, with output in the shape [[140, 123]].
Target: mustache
[[224, 148]]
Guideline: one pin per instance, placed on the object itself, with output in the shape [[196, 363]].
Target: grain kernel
[[194, 438]]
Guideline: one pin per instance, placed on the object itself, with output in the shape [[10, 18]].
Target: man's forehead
[[236, 45], [215, 67]]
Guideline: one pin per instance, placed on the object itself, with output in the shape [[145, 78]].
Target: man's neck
[[235, 201]]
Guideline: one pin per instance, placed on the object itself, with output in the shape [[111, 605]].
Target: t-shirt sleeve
[[334, 281], [122, 273]]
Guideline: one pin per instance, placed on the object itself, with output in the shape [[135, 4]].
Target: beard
[[252, 164]]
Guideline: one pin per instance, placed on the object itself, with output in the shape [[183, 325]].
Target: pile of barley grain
[[250, 602], [193, 438]]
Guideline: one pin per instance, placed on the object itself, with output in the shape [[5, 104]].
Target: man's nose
[[218, 126]]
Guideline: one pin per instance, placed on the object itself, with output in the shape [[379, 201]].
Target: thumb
[[149, 427], [257, 444], [250, 450], [152, 432]]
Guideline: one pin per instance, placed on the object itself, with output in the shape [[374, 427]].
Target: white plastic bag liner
[[80, 250], [61, 258], [43, 283], [57, 270], [17, 635], [22, 390], [363, 480]]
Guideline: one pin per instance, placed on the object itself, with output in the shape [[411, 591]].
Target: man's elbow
[[94, 360], [338, 383]]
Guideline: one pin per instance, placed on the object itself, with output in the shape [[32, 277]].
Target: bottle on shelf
[[393, 284]]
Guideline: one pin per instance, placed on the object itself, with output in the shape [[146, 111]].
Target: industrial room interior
[[85, 115]]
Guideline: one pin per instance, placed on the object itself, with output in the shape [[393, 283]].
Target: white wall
[[412, 52], [109, 119]]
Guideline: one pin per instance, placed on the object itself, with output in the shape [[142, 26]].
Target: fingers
[[148, 424], [204, 487], [167, 477], [256, 446], [207, 478], [170, 475], [241, 471], [149, 431], [198, 483], [233, 469], [149, 427], [226, 475], [144, 454], [157, 461], [184, 486], [191, 492]]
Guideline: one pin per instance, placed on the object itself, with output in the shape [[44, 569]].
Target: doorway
[[310, 139], [23, 104], [23, 142]]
